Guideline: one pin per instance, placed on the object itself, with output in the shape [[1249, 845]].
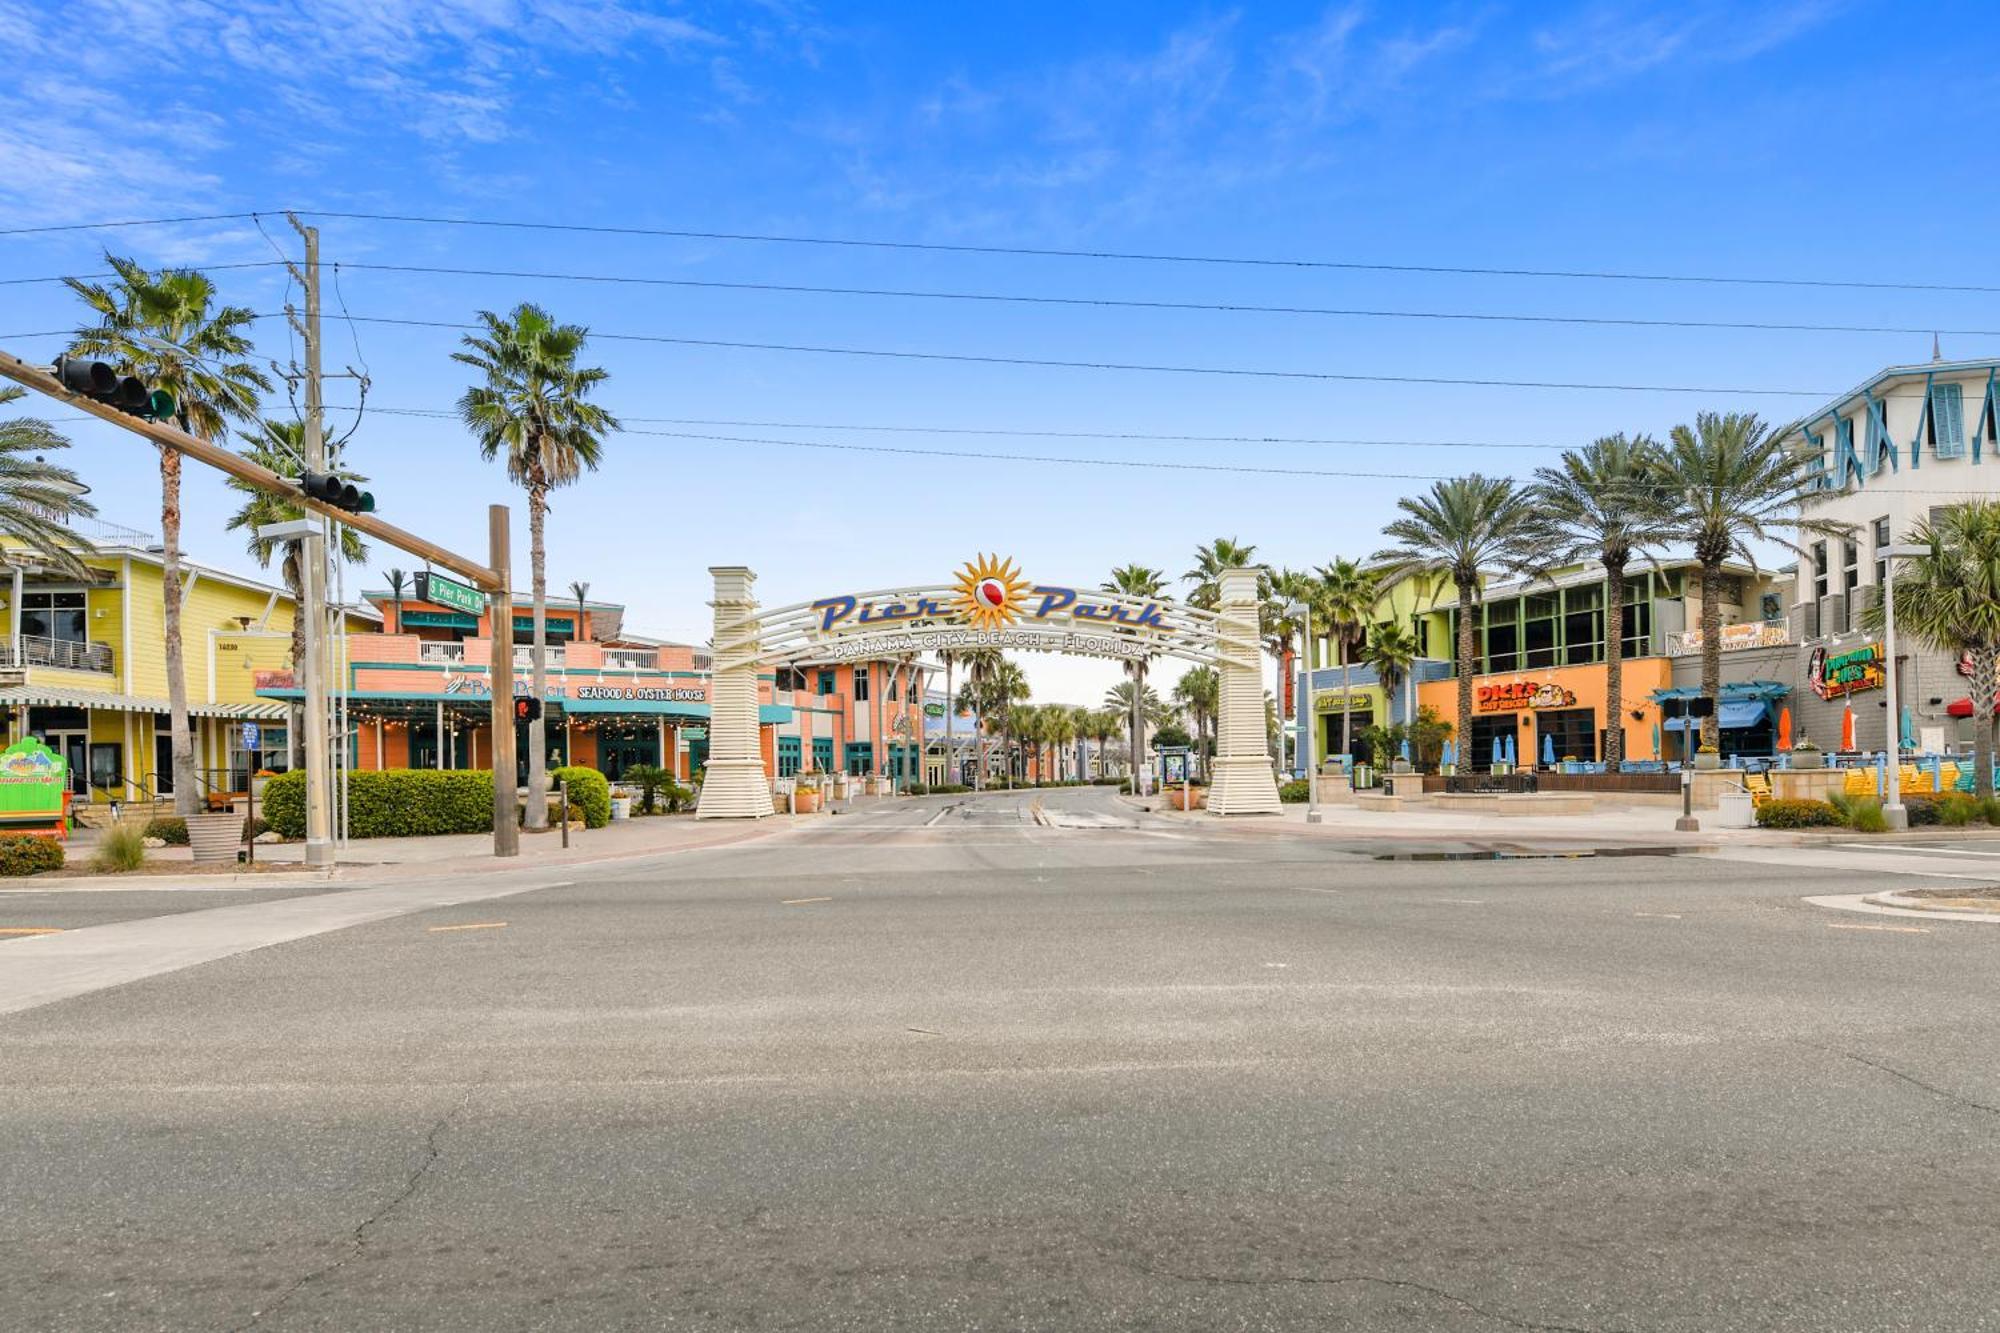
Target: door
[[74, 747]]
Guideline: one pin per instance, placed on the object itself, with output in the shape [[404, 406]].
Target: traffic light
[[527, 708], [329, 489], [127, 393]]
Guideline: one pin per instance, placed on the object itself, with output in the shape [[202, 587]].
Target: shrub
[[1295, 792], [589, 790], [1923, 811], [123, 847], [170, 829], [1797, 814], [1956, 810], [27, 854], [392, 803], [1863, 814], [1989, 809], [652, 781]]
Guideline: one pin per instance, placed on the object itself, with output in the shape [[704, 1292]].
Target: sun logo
[[990, 591]]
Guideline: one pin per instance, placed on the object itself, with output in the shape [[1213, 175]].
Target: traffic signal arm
[[226, 460]]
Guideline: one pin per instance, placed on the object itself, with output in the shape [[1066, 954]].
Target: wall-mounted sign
[[438, 590], [676, 694], [1837, 675], [32, 779], [477, 687], [1333, 701], [1514, 695]]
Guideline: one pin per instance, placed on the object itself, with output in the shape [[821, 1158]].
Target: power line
[[131, 222], [1039, 252], [968, 358], [1117, 303], [254, 263]]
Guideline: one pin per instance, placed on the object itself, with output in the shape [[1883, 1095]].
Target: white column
[[1243, 783], [440, 734], [735, 786]]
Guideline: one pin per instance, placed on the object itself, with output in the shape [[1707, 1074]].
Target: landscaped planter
[[1706, 763], [214, 835], [806, 800], [1187, 798], [1808, 759]]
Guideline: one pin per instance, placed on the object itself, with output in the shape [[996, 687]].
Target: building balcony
[[1748, 634], [35, 650]]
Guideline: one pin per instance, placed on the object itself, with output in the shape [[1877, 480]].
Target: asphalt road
[[1082, 1070]]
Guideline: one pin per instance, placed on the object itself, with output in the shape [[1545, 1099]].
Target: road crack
[[1368, 1279], [357, 1239], [1970, 1103]]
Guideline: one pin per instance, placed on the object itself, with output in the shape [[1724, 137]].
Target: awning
[[15, 696], [1964, 707], [769, 715], [1735, 714], [1731, 690]]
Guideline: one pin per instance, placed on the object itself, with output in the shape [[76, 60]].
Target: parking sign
[[250, 735]]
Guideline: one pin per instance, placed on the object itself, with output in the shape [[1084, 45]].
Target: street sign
[[436, 588], [250, 735]]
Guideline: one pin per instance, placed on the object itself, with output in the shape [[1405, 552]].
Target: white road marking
[[470, 925], [1662, 916], [796, 902], [1914, 849], [1901, 930]]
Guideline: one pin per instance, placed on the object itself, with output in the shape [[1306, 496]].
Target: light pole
[[1893, 809], [1303, 612]]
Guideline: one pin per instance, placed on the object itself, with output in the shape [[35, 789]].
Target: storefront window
[[1583, 625], [1503, 644], [53, 615], [1572, 733]]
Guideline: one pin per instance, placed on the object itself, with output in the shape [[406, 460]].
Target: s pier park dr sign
[[992, 606]]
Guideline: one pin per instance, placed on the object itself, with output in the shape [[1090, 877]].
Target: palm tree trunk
[[1138, 722], [950, 709], [1614, 662], [538, 755], [293, 574], [1463, 651], [180, 732], [1711, 652], [1983, 666]]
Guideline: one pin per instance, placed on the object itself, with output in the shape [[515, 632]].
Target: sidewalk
[[383, 859], [1608, 825]]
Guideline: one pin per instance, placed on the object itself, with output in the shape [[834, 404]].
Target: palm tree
[[1599, 504], [1060, 725], [1729, 481], [38, 497], [979, 663], [164, 328], [534, 408], [1101, 725], [1007, 689], [1391, 650], [581, 591], [1346, 603], [280, 446], [1949, 599], [1209, 562], [1139, 581], [1198, 692], [1462, 526], [1288, 587], [398, 580]]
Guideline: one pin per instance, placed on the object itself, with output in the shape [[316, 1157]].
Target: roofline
[[1884, 376]]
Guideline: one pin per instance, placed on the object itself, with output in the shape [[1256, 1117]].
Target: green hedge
[[1295, 792], [391, 803], [1798, 814], [588, 790], [170, 829], [28, 854]]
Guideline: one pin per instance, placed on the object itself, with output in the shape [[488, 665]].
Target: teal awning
[[1759, 690]]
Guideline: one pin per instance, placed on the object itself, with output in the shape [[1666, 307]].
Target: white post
[[440, 735], [1309, 730], [1243, 783], [1893, 809], [735, 786]]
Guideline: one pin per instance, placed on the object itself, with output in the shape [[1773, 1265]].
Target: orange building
[[1567, 706]]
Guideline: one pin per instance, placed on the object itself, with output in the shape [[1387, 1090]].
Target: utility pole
[[500, 603], [312, 561]]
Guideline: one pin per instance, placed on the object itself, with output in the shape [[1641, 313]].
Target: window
[[1819, 570], [1573, 732], [1420, 629], [1503, 642], [861, 685], [1946, 426], [1538, 638], [823, 753], [788, 756], [892, 687], [826, 681], [53, 615], [1639, 629], [791, 678], [1583, 625]]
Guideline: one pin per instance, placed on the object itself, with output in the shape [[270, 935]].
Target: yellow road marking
[[794, 902], [1900, 930], [31, 930], [470, 925]]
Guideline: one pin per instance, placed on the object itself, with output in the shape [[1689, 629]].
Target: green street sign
[[442, 591]]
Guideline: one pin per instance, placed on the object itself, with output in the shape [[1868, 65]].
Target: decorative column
[[735, 786], [1243, 783]]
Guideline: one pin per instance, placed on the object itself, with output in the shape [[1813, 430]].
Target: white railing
[[631, 657], [525, 657], [38, 651], [1749, 634], [441, 652]]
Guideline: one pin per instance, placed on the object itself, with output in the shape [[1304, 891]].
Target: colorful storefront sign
[[1837, 675], [1513, 695]]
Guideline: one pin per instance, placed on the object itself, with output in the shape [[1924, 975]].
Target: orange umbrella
[[1847, 728], [1784, 729]]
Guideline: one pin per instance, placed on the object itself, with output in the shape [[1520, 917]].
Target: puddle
[[1525, 854]]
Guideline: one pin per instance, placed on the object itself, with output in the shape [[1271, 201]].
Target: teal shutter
[[1948, 420]]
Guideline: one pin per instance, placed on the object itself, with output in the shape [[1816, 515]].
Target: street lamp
[[1893, 810], [1302, 612]]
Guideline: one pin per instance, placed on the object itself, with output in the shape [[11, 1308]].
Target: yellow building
[[83, 666]]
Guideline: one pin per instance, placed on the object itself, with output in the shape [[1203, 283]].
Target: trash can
[[1735, 809], [621, 807]]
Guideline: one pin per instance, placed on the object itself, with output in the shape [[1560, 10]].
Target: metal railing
[[525, 657], [38, 651], [441, 652], [1748, 634], [631, 657]]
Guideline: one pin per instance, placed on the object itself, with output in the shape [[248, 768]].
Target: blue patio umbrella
[[1548, 750], [1450, 755], [1404, 749], [1513, 750], [1499, 751], [1656, 740], [1908, 731]]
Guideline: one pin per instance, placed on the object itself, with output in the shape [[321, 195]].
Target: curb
[[1892, 904]]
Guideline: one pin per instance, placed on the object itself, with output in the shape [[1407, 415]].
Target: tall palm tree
[[1007, 688], [1461, 527], [580, 590], [1140, 581], [1729, 481], [1392, 650], [37, 497], [1348, 591], [1060, 724], [166, 329], [1288, 587], [1949, 599], [1210, 560], [534, 409], [1198, 692], [949, 658], [398, 580], [1599, 503], [980, 664], [280, 446]]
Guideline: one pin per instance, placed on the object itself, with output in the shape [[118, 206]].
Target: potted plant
[[1707, 758], [214, 835], [806, 793], [1807, 755], [1187, 796]]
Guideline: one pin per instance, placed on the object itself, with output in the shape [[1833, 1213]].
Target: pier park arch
[[990, 604]]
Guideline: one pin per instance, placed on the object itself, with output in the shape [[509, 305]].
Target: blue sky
[[1805, 141]]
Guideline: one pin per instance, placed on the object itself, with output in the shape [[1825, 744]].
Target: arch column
[[1243, 783], [734, 786]]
